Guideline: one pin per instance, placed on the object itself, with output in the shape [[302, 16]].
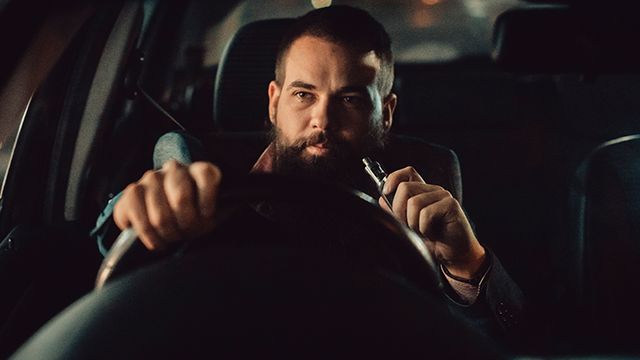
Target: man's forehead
[[364, 56], [308, 51]]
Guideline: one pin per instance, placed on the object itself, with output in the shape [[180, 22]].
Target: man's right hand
[[172, 205]]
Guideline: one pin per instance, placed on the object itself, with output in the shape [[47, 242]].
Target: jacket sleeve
[[498, 310], [105, 230]]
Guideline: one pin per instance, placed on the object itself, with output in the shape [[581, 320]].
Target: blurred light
[[429, 51], [430, 2], [476, 8], [320, 3], [422, 17]]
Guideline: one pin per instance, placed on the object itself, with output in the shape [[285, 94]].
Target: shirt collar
[[264, 165]]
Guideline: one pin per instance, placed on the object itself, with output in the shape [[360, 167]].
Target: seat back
[[605, 249], [240, 100]]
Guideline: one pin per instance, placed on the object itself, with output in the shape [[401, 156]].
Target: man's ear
[[388, 106], [274, 97]]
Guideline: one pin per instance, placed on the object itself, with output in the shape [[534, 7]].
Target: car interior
[[543, 122]]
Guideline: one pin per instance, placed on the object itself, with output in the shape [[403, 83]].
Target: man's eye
[[351, 99], [302, 94]]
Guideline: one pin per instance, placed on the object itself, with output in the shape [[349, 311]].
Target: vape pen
[[379, 176]]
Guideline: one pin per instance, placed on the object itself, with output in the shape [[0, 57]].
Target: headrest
[[240, 100], [584, 39]]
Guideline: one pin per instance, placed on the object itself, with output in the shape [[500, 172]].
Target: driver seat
[[245, 69]]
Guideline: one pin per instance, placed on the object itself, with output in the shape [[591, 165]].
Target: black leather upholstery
[[240, 101], [604, 261]]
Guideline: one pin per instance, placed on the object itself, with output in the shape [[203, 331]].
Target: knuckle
[[160, 220], [133, 189], [182, 200], [412, 202], [180, 197], [206, 170], [150, 176], [425, 213], [445, 194], [450, 200], [172, 165], [410, 169], [130, 195], [451, 203], [403, 187]]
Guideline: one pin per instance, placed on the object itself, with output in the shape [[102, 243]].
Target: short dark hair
[[347, 26]]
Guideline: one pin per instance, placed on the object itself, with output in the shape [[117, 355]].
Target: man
[[330, 105]]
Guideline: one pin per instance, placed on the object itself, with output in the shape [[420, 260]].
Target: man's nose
[[324, 116]]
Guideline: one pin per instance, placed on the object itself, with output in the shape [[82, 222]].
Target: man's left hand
[[438, 219]]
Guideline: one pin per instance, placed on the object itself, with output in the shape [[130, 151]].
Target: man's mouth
[[319, 149]]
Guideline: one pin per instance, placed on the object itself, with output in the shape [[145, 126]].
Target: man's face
[[328, 111]]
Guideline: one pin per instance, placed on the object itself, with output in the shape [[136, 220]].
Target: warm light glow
[[430, 2], [422, 17], [320, 3]]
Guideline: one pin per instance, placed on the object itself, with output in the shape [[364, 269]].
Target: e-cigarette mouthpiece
[[379, 176]]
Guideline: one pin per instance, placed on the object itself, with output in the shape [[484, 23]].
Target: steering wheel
[[237, 293], [378, 229]]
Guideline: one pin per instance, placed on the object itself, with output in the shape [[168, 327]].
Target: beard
[[342, 165], [310, 226]]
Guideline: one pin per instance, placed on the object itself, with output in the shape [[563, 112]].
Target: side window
[[40, 56], [56, 107], [8, 143]]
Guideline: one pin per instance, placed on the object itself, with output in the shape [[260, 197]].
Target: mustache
[[314, 139]]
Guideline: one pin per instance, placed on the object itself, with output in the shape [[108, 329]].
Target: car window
[[7, 146], [42, 53]]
